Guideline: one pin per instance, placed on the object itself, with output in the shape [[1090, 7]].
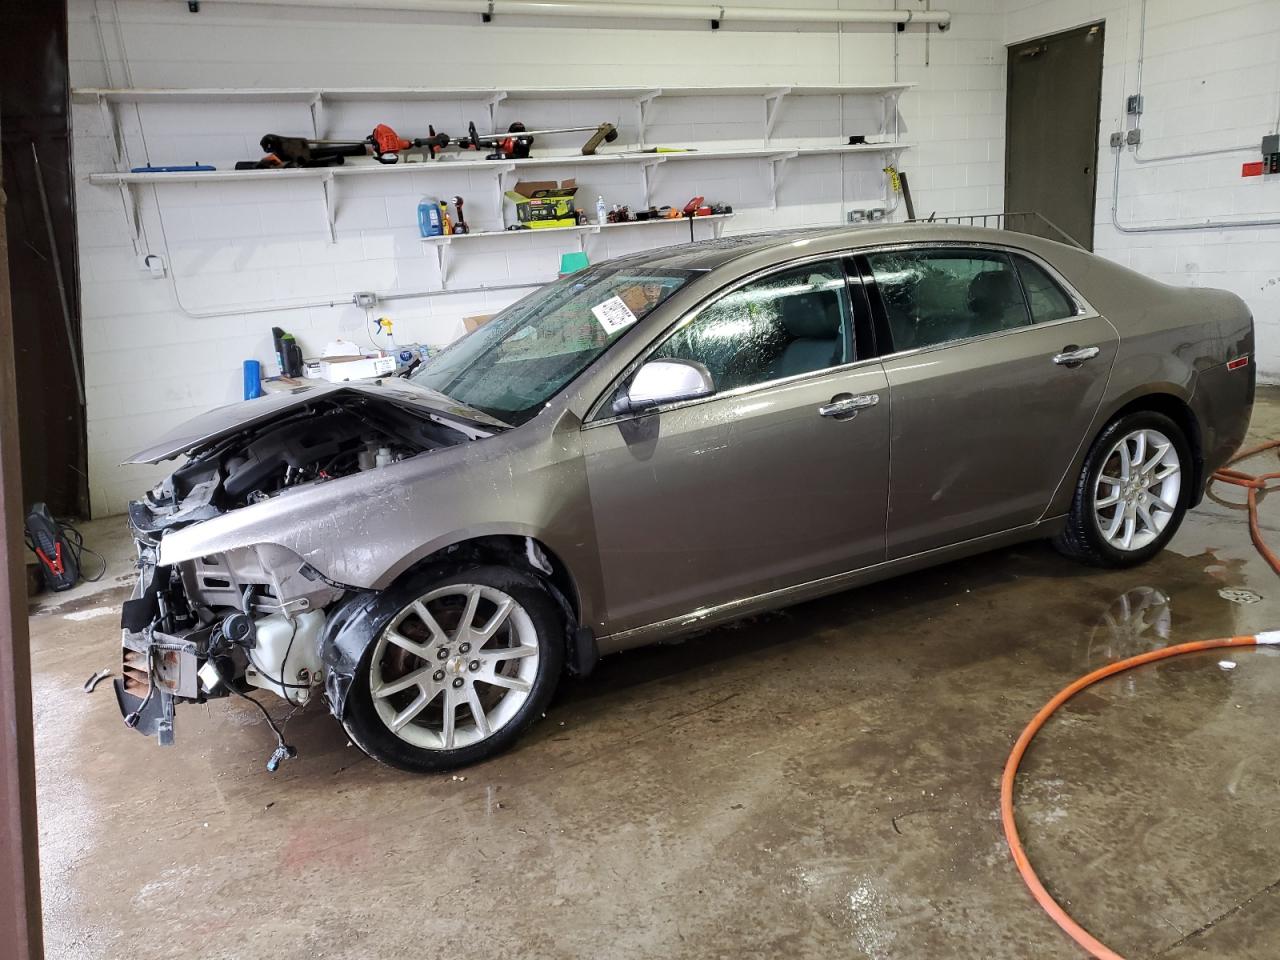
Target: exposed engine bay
[[332, 438], [251, 618]]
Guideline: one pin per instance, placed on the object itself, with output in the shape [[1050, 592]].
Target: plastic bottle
[[602, 212], [429, 222]]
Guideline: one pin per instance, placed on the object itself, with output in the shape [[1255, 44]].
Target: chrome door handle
[[1073, 356], [847, 406]]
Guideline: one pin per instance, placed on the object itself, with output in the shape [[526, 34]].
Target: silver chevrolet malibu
[[662, 443]]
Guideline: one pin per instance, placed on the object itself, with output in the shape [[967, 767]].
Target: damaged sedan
[[660, 444]]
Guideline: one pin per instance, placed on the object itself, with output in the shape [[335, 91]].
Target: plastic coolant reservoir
[[277, 638]]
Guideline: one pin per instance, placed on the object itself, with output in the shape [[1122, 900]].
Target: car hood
[[224, 421]]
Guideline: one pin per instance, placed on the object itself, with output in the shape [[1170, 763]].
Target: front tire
[[1132, 493], [456, 670]]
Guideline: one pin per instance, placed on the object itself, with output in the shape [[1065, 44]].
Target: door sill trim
[[707, 617]]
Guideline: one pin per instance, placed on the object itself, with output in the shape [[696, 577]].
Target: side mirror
[[664, 381]]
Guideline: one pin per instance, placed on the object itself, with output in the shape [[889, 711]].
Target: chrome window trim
[[1085, 311]]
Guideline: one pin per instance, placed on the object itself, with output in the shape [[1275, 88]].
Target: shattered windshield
[[525, 355]]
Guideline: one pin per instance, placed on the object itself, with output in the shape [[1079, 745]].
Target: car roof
[[760, 249]]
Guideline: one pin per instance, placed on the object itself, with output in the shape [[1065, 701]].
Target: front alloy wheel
[[457, 670]]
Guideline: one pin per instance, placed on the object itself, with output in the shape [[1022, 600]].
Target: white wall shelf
[[373, 168], [394, 94], [778, 155], [641, 97], [777, 158], [441, 245]]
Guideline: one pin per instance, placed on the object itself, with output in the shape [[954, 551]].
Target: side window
[[789, 323], [936, 296], [1048, 300]]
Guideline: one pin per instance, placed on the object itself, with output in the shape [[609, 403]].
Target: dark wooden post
[[20, 930]]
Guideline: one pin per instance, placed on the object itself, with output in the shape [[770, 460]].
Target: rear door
[[769, 482], [996, 369]]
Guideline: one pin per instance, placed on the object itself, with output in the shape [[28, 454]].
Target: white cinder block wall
[[236, 250], [1210, 79]]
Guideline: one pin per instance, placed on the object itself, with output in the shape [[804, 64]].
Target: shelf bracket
[[316, 107], [643, 102], [646, 170], [777, 166], [497, 97], [772, 109], [330, 188], [128, 197], [444, 262], [129, 200], [889, 112]]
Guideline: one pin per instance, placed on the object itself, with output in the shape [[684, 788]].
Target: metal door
[[1051, 132]]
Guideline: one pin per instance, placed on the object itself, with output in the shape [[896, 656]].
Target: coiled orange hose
[[1076, 932], [1253, 484]]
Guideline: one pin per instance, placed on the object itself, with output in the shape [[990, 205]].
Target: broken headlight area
[[216, 626]]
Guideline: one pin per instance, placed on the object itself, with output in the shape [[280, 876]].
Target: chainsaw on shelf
[[384, 144]]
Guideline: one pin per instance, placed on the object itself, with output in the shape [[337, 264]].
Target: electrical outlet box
[[1133, 137], [1133, 104], [866, 215], [152, 264], [1271, 153], [365, 298], [1117, 140]]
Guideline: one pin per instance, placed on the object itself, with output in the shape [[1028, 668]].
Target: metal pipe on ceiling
[[645, 11]]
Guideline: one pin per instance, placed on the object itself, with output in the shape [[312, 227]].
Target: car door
[[777, 478], [996, 370]]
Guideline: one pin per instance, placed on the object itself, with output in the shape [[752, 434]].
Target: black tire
[[1082, 540], [371, 734]]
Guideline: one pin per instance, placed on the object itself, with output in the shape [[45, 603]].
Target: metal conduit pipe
[[280, 306], [1209, 152], [644, 11], [1206, 224]]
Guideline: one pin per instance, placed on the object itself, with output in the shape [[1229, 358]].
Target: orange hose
[[1252, 484], [1076, 932]]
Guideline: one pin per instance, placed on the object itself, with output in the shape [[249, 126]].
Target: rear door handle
[[1073, 356], [846, 407]]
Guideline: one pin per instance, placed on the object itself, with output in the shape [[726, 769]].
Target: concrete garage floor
[[821, 782]]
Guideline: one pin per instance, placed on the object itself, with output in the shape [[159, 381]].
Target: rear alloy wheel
[[1132, 493], [1136, 493], [457, 671]]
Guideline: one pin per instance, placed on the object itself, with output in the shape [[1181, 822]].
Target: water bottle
[[429, 222], [602, 213]]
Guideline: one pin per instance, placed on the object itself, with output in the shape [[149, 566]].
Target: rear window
[[1048, 301]]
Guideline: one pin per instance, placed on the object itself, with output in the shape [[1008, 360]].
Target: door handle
[[844, 406], [1073, 356]]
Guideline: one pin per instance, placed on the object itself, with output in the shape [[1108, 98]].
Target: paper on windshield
[[614, 315]]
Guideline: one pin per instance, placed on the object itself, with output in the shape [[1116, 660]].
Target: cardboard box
[[472, 324], [341, 369], [545, 203]]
